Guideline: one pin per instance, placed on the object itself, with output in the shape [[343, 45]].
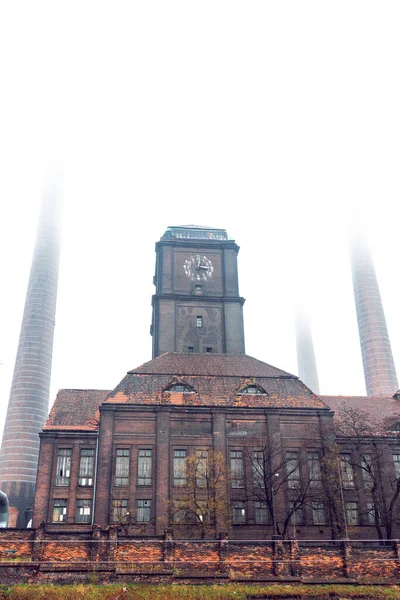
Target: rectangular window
[[201, 468], [119, 509], [261, 512], [238, 513], [198, 290], [143, 514], [396, 460], [351, 513], [367, 469], [86, 466], [190, 348], [257, 463], [373, 514], [297, 516], [59, 510], [209, 349], [346, 471], [83, 511], [180, 467], [63, 466], [318, 513], [144, 467], [122, 467], [292, 469], [314, 469], [199, 321], [236, 468]]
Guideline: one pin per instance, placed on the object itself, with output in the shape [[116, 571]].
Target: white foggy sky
[[274, 120]]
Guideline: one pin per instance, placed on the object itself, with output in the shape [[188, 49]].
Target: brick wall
[[27, 555]]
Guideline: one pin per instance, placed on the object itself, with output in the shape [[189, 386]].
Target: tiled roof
[[378, 408], [216, 380], [76, 409], [228, 365]]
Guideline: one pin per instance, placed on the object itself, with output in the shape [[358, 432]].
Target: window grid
[[396, 461], [144, 467], [314, 468], [297, 515], [372, 513], [292, 469], [201, 468], [261, 512], [122, 467], [346, 471], [83, 511], [59, 510], [86, 467], [143, 513], [351, 513], [238, 513], [119, 509], [257, 462], [318, 513], [199, 321], [236, 457], [180, 467], [63, 466], [367, 469]]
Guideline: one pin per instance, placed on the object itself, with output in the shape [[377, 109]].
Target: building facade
[[206, 440]]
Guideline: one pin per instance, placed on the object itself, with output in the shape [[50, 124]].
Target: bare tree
[[361, 448], [276, 473], [200, 502]]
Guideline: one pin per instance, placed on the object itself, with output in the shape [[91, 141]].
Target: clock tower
[[197, 307]]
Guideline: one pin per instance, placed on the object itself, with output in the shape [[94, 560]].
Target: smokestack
[[379, 370], [307, 367], [29, 397]]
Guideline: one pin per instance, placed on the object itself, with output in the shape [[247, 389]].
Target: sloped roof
[[227, 365], [216, 380], [76, 409], [377, 407]]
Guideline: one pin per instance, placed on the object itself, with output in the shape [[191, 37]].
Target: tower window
[[198, 290], [199, 321]]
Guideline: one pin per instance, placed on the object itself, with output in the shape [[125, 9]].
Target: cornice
[[195, 298]]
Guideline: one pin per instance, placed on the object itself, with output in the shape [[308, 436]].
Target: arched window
[[253, 390], [180, 387]]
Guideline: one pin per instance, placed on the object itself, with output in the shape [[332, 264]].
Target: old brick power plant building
[[203, 439]]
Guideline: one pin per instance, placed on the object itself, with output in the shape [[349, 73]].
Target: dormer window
[[180, 388], [253, 390]]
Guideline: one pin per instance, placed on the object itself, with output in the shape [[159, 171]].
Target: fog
[[276, 121]]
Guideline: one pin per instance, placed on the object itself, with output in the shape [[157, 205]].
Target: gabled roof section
[[216, 380], [211, 365], [378, 408], [76, 410]]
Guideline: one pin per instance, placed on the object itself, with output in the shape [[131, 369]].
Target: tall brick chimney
[[307, 366], [29, 396], [379, 370]]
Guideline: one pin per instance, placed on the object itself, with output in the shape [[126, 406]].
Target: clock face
[[198, 268]]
